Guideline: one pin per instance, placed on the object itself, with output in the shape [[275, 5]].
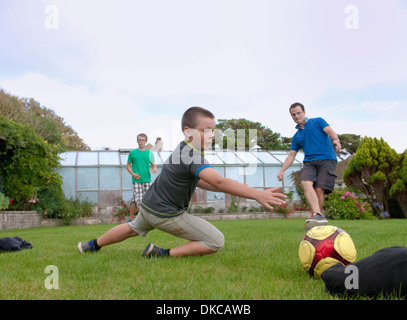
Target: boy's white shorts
[[184, 226]]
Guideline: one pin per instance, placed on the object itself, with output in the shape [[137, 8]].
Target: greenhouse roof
[[218, 157]]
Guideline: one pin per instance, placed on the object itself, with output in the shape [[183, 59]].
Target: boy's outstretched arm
[[211, 178]]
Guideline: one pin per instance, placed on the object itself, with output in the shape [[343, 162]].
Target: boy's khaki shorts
[[184, 226]]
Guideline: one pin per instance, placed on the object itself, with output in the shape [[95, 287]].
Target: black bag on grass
[[384, 272], [13, 244]]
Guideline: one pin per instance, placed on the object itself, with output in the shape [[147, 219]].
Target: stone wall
[[19, 219], [29, 219]]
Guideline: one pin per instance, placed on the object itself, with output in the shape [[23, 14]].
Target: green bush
[[27, 164], [52, 203], [342, 204], [73, 209], [4, 202]]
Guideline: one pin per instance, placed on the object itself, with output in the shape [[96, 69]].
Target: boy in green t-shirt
[[138, 165]]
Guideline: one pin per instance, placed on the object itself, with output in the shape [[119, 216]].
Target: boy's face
[[202, 135], [142, 141]]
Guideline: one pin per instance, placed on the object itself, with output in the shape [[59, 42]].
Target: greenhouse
[[101, 177]]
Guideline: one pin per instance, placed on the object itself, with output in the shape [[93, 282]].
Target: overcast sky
[[113, 69]]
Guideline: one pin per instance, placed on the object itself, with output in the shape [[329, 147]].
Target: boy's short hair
[[142, 135], [190, 116], [297, 104]]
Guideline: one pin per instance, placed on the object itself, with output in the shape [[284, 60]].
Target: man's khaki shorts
[[321, 172], [184, 226]]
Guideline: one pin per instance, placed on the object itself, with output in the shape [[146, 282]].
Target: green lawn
[[259, 261]]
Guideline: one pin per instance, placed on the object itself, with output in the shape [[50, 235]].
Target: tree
[[45, 122], [27, 163], [398, 190], [350, 143], [369, 170], [232, 132]]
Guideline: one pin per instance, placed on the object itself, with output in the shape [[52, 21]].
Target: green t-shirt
[[141, 161]]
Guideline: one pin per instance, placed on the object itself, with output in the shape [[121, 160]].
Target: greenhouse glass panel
[[247, 157], [127, 195], [68, 185], [89, 196], [235, 173], [110, 178], [229, 157], [109, 158], [267, 158], [87, 158], [87, 178], [254, 176], [123, 158], [161, 157], [68, 159], [212, 157], [127, 182], [280, 156], [270, 174], [215, 196]]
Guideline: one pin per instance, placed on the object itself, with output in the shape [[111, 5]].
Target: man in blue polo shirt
[[317, 139]]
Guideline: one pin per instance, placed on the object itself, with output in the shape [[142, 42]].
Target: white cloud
[[114, 69]]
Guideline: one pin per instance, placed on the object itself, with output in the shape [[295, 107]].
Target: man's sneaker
[[316, 220], [84, 247], [153, 251]]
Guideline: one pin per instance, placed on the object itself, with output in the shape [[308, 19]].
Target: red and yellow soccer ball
[[324, 246]]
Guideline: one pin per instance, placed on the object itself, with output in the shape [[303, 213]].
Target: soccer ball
[[324, 246]]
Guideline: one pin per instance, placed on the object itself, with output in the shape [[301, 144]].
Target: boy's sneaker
[[153, 251], [316, 220], [85, 247]]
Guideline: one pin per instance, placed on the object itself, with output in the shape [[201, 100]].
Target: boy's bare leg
[[116, 234], [133, 208], [190, 249]]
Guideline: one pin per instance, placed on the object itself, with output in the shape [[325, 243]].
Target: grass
[[259, 261]]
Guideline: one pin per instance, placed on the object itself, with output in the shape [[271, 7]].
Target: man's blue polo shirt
[[314, 141]]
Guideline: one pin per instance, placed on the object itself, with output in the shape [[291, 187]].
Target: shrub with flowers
[[342, 204], [123, 210]]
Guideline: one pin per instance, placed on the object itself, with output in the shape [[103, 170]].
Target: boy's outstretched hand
[[272, 196]]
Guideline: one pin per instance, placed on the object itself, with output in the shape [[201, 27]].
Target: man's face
[[298, 115]]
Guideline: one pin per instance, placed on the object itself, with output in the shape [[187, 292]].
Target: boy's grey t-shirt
[[170, 193]]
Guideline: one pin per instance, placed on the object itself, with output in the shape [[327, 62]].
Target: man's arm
[[334, 137], [287, 163], [222, 184]]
